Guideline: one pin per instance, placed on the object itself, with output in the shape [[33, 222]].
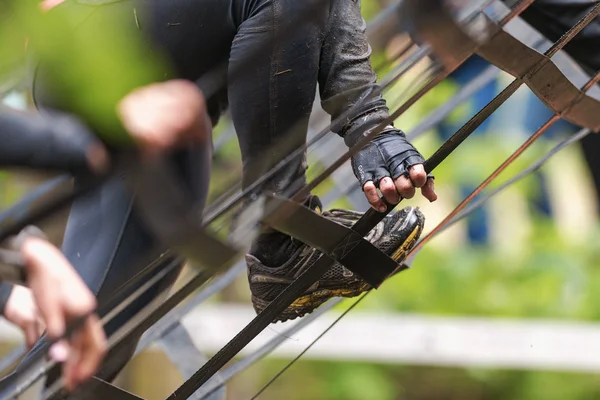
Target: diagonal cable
[[470, 126], [458, 217], [256, 326]]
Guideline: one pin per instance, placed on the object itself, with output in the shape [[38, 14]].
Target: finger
[[428, 191], [388, 190], [79, 302], [405, 187], [418, 176], [41, 326], [55, 305], [373, 197], [142, 126], [93, 349], [38, 254], [188, 103], [31, 335], [52, 313], [59, 351], [69, 370]]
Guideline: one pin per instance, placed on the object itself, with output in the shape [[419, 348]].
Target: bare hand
[[22, 311], [165, 115], [61, 297]]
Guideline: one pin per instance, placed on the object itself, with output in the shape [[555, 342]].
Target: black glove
[[388, 154]]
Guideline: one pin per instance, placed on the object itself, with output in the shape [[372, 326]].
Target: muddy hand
[[165, 115], [389, 162]]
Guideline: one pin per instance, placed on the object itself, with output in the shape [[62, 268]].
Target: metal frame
[[541, 74]]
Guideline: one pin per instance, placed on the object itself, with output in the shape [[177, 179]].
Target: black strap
[[454, 41], [294, 290], [171, 208], [344, 245], [367, 222], [250, 331]]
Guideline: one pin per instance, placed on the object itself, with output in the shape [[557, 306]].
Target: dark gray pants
[[270, 102]]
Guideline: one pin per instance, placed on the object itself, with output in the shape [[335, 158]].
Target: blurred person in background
[[552, 18]]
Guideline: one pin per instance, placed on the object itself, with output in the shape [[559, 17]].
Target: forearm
[[56, 142], [347, 82]]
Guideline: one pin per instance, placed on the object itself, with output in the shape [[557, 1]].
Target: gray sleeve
[[57, 142], [346, 77]]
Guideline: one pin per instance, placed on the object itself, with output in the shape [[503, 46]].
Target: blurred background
[[503, 305]]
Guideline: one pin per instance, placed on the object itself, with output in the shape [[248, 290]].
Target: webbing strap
[[453, 41], [548, 83], [342, 244], [170, 208]]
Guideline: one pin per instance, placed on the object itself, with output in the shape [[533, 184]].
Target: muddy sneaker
[[276, 260]]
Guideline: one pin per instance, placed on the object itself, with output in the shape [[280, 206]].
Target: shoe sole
[[309, 302]]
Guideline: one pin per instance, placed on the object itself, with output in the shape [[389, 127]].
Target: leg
[[271, 105], [272, 101]]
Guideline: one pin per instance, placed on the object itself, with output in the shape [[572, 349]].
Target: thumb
[[59, 351]]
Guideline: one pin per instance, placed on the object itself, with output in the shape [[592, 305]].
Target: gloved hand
[[389, 162]]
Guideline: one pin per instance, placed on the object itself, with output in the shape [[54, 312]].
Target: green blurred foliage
[[363, 381], [547, 278], [93, 56]]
